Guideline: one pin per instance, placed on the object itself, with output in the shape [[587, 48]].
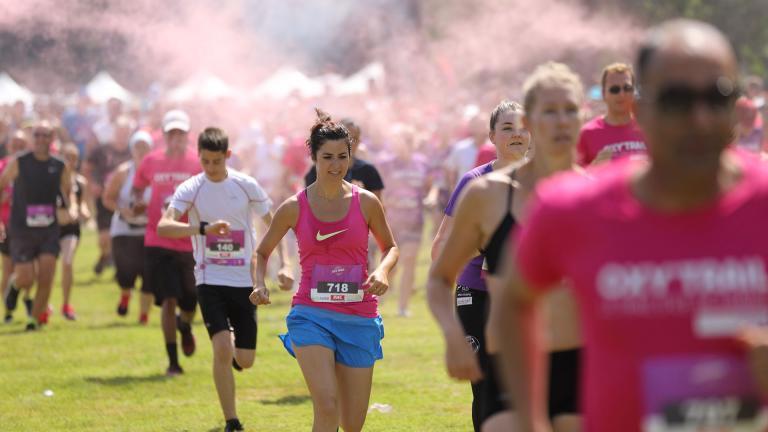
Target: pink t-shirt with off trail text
[[597, 134], [163, 174], [661, 295]]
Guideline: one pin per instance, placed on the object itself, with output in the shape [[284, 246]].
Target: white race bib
[[225, 250], [337, 283], [703, 393], [40, 215]]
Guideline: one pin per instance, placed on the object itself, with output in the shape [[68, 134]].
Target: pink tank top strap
[[304, 209], [355, 204], [302, 197]]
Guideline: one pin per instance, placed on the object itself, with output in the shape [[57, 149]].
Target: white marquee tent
[[202, 86], [11, 91], [103, 87], [286, 81]]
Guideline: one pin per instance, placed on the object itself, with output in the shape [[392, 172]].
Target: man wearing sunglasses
[[666, 260], [39, 180], [616, 133]]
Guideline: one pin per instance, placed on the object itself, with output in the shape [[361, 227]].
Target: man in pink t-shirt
[[666, 260], [169, 264], [615, 134]]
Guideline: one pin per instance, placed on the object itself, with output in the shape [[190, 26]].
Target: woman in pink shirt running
[[334, 327]]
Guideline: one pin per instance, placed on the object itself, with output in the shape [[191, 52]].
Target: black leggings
[[564, 368], [487, 399]]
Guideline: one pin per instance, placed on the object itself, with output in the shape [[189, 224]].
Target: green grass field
[[107, 372]]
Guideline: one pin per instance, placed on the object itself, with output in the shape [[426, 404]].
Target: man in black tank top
[[38, 179]]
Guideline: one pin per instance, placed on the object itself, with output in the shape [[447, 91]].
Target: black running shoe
[[28, 306], [122, 310], [122, 307], [32, 325], [233, 425], [174, 370], [12, 299], [8, 318]]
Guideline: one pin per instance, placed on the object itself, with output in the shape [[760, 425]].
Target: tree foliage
[[744, 21]]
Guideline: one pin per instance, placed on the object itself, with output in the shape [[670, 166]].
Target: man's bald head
[[688, 75], [683, 38]]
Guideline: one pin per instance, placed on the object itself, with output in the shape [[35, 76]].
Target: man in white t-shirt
[[221, 204], [104, 128]]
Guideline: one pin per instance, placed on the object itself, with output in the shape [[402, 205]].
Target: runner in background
[[127, 230], [462, 311], [463, 154], [99, 163], [169, 264], [38, 179], [615, 134], [407, 172], [71, 212], [18, 142], [748, 137]]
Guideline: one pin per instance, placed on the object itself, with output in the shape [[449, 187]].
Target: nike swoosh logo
[[321, 237]]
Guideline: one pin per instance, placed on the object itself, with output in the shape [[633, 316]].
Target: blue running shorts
[[355, 340]]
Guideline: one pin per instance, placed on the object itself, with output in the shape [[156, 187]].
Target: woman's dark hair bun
[[326, 129]]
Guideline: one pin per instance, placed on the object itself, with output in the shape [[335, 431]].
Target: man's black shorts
[[28, 245], [225, 307], [171, 274]]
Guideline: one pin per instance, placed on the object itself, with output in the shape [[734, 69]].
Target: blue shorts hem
[[321, 328]]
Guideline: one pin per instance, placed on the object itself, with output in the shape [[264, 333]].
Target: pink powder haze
[[165, 41], [482, 47]]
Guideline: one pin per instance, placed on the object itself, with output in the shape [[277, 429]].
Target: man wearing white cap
[[169, 264]]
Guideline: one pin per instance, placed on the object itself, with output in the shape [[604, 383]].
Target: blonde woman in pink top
[[334, 329]]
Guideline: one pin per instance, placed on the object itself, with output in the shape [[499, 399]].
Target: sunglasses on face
[[43, 134], [681, 98], [616, 89]]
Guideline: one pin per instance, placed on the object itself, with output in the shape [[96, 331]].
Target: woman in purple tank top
[[334, 329]]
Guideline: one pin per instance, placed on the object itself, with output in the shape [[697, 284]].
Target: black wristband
[[202, 227]]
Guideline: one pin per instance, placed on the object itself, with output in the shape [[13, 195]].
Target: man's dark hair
[[213, 139]]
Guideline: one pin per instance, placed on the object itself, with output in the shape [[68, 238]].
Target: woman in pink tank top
[[334, 329]]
